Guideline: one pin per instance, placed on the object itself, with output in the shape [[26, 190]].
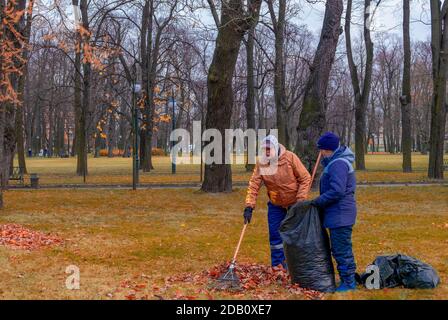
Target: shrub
[[119, 152], [158, 152], [115, 152]]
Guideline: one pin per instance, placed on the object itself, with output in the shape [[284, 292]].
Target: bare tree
[[422, 84], [234, 23], [279, 25], [151, 36], [84, 42], [405, 99], [361, 95], [11, 60], [387, 89], [250, 82], [312, 117], [25, 30], [439, 45]]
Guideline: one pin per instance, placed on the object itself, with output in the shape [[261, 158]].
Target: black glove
[[247, 214]]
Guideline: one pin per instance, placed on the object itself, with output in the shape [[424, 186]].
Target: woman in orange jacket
[[287, 181]]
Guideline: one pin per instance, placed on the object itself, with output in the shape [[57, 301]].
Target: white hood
[[272, 142]]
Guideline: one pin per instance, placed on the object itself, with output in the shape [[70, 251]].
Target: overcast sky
[[388, 17]]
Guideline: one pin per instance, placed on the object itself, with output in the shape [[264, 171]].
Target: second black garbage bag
[[401, 270], [307, 249]]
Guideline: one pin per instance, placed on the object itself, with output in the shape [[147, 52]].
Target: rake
[[230, 280]]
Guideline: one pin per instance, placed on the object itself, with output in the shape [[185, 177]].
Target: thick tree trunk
[[218, 176], [439, 45], [312, 117]]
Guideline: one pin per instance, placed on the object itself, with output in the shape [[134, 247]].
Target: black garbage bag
[[401, 270], [307, 249]]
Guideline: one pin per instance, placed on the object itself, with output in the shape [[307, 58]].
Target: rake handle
[[239, 243], [315, 170]]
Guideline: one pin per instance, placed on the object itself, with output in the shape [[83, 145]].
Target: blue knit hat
[[328, 141]]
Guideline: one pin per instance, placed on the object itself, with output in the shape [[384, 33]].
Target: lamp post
[[135, 161], [172, 104]]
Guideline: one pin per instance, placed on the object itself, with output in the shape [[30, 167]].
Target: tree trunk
[[77, 100], [250, 99], [110, 136], [85, 101], [19, 126], [234, 23], [312, 117], [361, 97], [79, 106], [2, 112], [148, 66], [21, 89], [439, 45], [279, 24], [9, 64]]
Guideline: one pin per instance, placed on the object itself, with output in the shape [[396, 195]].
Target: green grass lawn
[[109, 171], [149, 235]]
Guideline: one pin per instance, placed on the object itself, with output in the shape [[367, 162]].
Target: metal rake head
[[230, 275], [229, 280]]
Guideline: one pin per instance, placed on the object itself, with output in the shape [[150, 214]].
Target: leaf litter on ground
[[18, 237], [257, 281]]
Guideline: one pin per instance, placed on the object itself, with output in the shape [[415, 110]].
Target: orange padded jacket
[[290, 182]]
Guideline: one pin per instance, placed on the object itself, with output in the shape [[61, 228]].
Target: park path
[[198, 185]]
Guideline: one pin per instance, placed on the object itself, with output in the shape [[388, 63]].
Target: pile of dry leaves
[[257, 281], [18, 237]]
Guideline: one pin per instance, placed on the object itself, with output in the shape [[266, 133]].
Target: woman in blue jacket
[[337, 201]]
